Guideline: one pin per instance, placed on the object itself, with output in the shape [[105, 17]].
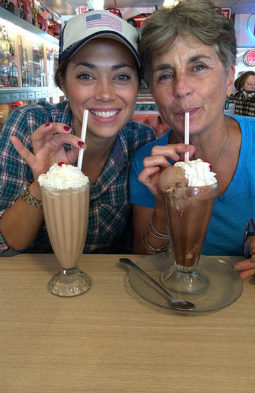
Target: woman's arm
[[149, 224], [21, 222], [150, 232]]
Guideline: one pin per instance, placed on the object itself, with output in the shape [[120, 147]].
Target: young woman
[[99, 70]]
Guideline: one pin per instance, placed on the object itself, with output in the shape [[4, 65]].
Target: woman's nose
[[105, 90], [182, 85]]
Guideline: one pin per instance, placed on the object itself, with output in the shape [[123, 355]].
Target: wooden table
[[111, 340]]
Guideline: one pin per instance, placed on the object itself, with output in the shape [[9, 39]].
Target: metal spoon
[[177, 304]]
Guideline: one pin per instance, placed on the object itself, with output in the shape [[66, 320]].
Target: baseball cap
[[92, 24]]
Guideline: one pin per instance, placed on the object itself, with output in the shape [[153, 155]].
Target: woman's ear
[[230, 79], [64, 89]]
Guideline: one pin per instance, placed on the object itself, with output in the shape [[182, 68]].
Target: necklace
[[223, 149]]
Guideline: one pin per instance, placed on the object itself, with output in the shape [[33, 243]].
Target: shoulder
[[135, 134], [242, 95], [134, 129], [41, 111], [236, 95], [23, 121], [245, 122]]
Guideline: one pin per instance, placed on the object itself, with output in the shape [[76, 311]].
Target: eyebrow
[[114, 67], [193, 59]]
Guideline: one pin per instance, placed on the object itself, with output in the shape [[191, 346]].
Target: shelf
[[10, 17], [11, 94]]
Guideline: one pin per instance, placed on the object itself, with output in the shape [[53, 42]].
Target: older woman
[[246, 81], [244, 95], [99, 68], [189, 55]]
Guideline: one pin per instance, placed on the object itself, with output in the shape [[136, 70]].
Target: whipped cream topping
[[62, 177], [197, 172]]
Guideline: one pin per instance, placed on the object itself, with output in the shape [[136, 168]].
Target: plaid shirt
[[109, 220], [244, 103]]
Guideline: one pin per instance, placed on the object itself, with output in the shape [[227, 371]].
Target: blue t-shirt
[[232, 210]]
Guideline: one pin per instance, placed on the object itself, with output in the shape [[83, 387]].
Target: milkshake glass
[[188, 213], [66, 210]]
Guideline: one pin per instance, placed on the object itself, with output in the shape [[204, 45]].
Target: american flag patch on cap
[[101, 20]]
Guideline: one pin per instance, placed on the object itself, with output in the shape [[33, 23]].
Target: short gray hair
[[201, 19]]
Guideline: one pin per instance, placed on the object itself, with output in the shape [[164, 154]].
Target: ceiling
[[65, 7]]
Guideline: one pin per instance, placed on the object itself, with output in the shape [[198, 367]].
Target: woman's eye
[[123, 77], [199, 67], [166, 76], [84, 76]]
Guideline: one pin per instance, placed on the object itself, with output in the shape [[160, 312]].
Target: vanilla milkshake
[[65, 198]]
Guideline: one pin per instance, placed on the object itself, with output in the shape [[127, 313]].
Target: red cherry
[[210, 165], [60, 163]]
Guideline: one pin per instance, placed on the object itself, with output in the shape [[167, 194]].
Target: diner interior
[[123, 334]]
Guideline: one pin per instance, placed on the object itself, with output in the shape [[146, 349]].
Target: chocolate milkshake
[[188, 211], [189, 192], [65, 198]]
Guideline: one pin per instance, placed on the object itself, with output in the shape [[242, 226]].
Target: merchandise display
[[8, 58], [22, 59], [28, 61]]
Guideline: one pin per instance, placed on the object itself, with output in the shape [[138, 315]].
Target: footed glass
[[188, 212], [66, 215]]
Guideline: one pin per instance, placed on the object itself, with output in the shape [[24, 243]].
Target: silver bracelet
[[156, 233], [30, 199], [153, 250]]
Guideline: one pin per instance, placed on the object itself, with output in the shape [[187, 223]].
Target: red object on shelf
[[42, 22], [137, 20], [26, 6], [115, 11], [226, 12]]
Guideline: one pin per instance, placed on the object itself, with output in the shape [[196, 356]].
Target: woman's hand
[[158, 161], [48, 147], [247, 267]]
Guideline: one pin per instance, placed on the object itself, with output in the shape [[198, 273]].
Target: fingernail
[[80, 144], [67, 128], [47, 124]]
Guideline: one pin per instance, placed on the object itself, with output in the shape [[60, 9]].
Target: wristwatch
[[30, 199], [246, 241]]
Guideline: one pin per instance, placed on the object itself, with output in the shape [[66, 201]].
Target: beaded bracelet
[[156, 233], [153, 250]]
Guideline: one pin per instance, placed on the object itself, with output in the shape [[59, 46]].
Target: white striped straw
[[186, 135]]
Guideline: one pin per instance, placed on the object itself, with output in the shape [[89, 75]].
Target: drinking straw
[[83, 137], [252, 224], [186, 135]]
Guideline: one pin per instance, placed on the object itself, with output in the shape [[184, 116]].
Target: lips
[[190, 110]]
